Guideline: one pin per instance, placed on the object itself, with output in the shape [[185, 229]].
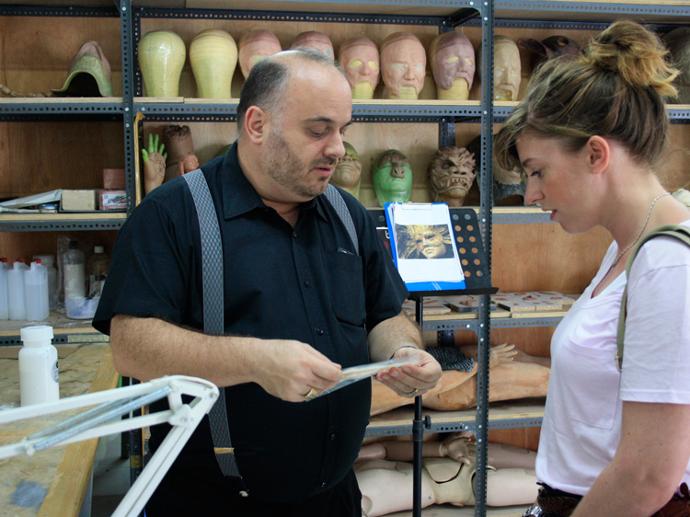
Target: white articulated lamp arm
[[105, 419]]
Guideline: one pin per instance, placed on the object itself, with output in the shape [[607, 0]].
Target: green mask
[[393, 178], [348, 172]]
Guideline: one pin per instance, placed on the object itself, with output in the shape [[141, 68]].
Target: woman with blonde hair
[[614, 442]]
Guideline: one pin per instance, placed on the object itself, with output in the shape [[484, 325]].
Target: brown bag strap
[[677, 231]]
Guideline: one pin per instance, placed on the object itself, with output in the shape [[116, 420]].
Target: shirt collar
[[239, 196]]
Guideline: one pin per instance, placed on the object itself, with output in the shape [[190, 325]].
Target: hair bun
[[635, 54]]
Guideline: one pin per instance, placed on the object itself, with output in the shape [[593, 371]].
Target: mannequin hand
[[501, 354], [290, 369], [411, 380], [154, 163], [459, 447]]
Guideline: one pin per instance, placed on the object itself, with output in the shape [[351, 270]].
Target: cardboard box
[[78, 201], [112, 200]]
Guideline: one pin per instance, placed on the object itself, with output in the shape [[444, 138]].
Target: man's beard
[[288, 171]]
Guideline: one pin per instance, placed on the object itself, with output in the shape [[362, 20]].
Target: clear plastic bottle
[[38, 366], [16, 297], [4, 289], [74, 269], [49, 262], [98, 270], [36, 291]]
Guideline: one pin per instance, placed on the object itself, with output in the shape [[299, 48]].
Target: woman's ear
[[598, 153]]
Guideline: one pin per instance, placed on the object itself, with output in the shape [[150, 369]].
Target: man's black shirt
[[304, 283]]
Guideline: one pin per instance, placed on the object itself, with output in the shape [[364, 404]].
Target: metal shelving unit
[[445, 14]]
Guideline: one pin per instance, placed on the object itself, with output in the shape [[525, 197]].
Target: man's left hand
[[415, 379]]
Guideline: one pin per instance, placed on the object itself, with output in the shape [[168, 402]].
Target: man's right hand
[[291, 370]]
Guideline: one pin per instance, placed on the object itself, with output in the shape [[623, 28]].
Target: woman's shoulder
[[663, 252]]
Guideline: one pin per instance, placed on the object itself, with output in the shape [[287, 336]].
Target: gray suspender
[[213, 307], [213, 299], [682, 233], [336, 199]]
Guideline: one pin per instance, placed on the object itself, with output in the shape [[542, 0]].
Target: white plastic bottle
[[36, 291], [4, 290], [38, 366], [49, 262], [16, 297]]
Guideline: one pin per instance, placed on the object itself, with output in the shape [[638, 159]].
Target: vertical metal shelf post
[[125, 10], [486, 202]]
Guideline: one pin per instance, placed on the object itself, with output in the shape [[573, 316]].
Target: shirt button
[[320, 332], [294, 235], [323, 484], [332, 436], [307, 283]]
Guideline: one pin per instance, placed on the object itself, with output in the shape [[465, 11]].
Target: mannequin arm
[[648, 465]]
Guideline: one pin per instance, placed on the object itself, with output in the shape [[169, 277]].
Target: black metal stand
[[475, 266]]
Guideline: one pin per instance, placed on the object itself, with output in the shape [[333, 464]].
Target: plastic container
[[38, 366], [74, 272], [49, 262], [36, 291], [98, 270], [4, 302], [15, 292]]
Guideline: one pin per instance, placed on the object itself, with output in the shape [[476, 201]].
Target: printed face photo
[[420, 241]]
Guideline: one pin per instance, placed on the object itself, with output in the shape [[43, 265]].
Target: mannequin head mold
[[314, 40], [453, 65], [403, 65], [359, 59], [257, 45]]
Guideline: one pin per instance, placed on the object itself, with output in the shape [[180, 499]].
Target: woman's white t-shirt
[[582, 420]]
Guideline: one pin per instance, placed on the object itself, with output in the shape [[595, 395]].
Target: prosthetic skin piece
[[359, 59], [451, 173], [154, 163], [514, 375], [314, 40], [180, 146], [348, 172], [452, 64], [392, 178], [507, 69], [257, 45], [403, 65]]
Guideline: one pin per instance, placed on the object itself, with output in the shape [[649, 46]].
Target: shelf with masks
[[502, 415], [373, 110], [65, 78]]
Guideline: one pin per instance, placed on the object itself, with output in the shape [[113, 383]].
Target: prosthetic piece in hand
[[179, 143], [386, 486], [154, 163], [513, 375]]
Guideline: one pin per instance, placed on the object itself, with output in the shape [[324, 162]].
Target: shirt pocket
[[347, 288], [591, 384]]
